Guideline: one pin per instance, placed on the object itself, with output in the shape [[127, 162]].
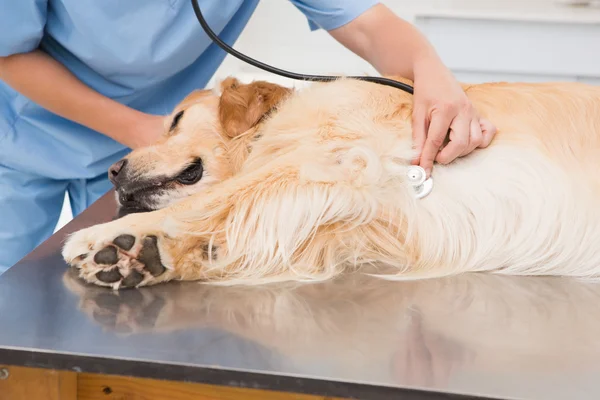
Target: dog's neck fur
[[239, 148]]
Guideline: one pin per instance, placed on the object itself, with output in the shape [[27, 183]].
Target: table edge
[[215, 376]]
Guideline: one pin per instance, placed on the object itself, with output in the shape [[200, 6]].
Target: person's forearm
[[48, 83], [442, 109], [372, 36]]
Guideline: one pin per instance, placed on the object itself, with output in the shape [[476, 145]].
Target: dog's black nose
[[116, 169]]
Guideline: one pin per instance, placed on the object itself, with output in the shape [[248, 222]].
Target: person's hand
[[445, 124], [144, 131]]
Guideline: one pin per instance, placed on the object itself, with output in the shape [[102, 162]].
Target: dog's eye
[[192, 174], [175, 121]]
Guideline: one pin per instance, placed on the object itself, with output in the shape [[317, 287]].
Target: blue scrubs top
[[147, 54]]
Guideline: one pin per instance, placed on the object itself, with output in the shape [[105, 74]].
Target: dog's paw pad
[[124, 242], [150, 256], [124, 261], [107, 256], [110, 276], [133, 279]]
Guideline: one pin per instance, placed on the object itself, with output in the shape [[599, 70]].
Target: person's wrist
[[435, 83], [126, 131], [139, 129], [148, 129], [428, 64]]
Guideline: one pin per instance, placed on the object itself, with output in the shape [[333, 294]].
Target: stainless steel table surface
[[476, 335]]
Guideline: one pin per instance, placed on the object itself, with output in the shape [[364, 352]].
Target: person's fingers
[[488, 132], [420, 125], [459, 140], [438, 129], [475, 138]]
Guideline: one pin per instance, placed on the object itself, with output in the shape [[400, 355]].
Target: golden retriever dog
[[254, 186]]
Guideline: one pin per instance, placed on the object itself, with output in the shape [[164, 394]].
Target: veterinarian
[[83, 82]]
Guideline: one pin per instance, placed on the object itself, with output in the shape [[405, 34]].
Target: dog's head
[[204, 143]]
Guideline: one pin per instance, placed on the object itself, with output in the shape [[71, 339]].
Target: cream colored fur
[[324, 190]]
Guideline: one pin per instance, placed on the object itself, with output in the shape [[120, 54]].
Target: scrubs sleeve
[[22, 25], [331, 14]]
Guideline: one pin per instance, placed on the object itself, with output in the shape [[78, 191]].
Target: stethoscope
[[416, 175]]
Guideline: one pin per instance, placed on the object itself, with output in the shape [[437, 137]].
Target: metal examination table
[[356, 337]]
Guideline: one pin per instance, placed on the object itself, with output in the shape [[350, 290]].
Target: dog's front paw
[[118, 257]]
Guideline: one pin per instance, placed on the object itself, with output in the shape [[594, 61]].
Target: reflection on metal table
[[355, 337]]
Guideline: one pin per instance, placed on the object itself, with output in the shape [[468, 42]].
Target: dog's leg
[[269, 224]]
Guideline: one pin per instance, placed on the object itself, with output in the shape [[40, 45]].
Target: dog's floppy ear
[[242, 106]]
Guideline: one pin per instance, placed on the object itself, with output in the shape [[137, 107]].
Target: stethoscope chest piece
[[417, 179]]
